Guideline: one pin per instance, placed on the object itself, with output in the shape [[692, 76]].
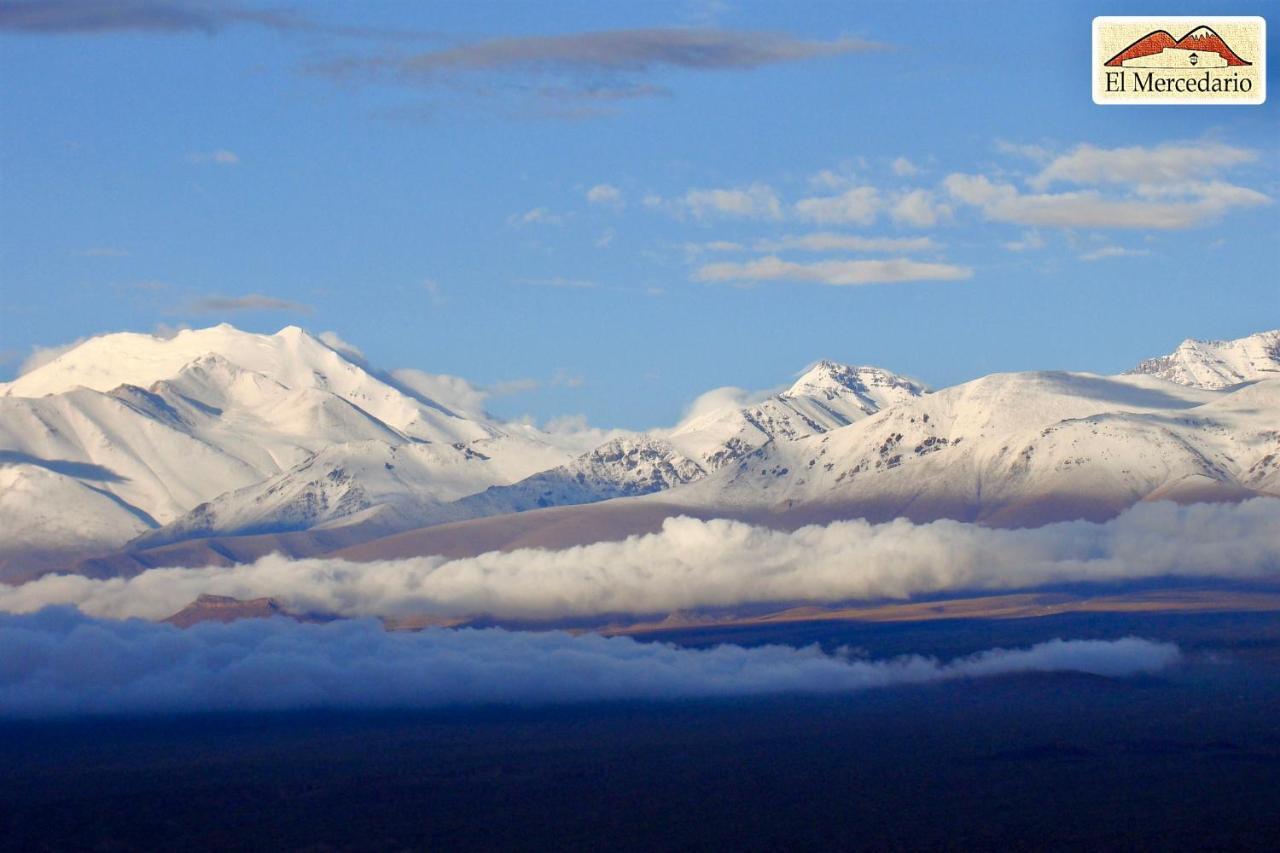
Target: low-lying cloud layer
[[63, 663], [718, 563]]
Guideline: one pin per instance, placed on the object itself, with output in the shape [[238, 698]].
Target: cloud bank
[[718, 563], [63, 663]]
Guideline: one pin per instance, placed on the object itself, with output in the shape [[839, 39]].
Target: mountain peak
[[829, 378], [1218, 364]]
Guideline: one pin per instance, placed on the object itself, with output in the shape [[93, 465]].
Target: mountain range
[[217, 445], [1200, 40]]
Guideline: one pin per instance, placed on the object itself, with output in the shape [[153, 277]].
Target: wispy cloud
[[559, 282], [40, 356], [216, 157], [162, 17], [559, 74], [535, 216], [903, 168], [276, 664], [1030, 241], [620, 51], [248, 302], [826, 241], [836, 272], [605, 194], [1114, 252], [458, 394]]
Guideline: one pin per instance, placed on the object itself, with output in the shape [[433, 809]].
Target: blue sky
[[609, 209]]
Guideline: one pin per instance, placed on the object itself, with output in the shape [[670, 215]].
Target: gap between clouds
[[718, 563], [62, 663]]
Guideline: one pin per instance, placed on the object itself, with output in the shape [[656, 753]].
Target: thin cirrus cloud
[[248, 302], [535, 216], [693, 564], [833, 272], [276, 664], [1114, 252], [576, 75], [618, 51], [95, 16], [216, 157], [163, 17]]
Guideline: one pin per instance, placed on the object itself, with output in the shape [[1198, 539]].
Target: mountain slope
[[825, 397], [218, 430], [1020, 449]]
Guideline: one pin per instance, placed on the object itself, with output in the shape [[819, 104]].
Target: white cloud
[[335, 341], [827, 241], [605, 194], [718, 399], [64, 664], [1002, 202], [1113, 252], [919, 208], [40, 356], [902, 167], [856, 206], [535, 216], [773, 268], [216, 157], [559, 282], [1030, 241], [1169, 163], [434, 291], [458, 394], [575, 434], [452, 392], [828, 179], [757, 201], [718, 563], [1035, 153]]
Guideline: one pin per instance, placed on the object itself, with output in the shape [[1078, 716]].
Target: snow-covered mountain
[[1021, 448], [228, 431], [137, 441], [1218, 364], [826, 397]]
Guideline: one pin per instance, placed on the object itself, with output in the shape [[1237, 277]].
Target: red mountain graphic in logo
[[1200, 40]]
